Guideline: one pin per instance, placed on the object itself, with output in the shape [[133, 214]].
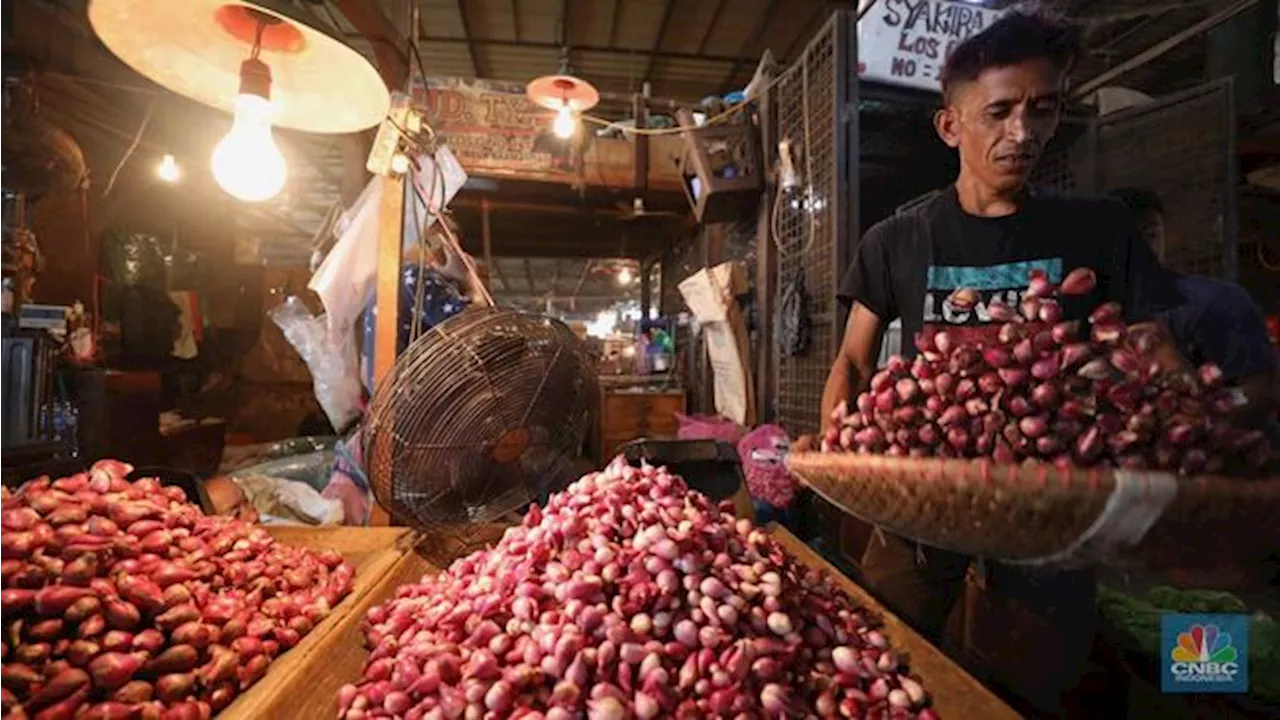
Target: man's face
[[1002, 121], [1152, 229]]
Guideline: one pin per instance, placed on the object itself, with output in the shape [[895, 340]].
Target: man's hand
[[1163, 351], [853, 366]]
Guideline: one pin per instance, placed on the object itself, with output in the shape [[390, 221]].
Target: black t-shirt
[[907, 265]]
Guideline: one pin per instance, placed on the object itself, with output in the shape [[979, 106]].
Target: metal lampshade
[[195, 48], [556, 91]]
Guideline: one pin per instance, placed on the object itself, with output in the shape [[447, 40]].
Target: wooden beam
[[580, 47], [389, 45], [486, 241], [471, 201], [817, 18], [762, 24], [657, 42], [641, 113], [466, 34], [387, 329], [555, 278], [711, 26], [613, 26], [1162, 47]]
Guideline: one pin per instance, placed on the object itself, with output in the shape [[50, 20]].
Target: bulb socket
[[255, 78]]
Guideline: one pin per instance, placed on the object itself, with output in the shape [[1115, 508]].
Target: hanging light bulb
[[565, 125], [624, 276], [247, 163], [168, 169]]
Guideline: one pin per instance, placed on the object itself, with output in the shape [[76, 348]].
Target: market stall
[[499, 579]]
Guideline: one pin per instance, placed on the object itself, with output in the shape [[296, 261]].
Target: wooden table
[[305, 684], [375, 553]]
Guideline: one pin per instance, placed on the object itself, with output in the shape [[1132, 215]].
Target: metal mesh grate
[[1067, 165], [1181, 148], [805, 223]]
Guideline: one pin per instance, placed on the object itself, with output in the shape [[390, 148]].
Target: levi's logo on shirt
[[1002, 283]]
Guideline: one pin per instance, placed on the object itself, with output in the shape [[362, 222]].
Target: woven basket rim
[[1016, 476]]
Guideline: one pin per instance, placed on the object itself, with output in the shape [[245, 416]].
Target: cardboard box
[[710, 294]]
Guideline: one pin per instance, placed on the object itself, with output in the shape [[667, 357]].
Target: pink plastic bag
[[763, 454], [708, 427], [355, 502]]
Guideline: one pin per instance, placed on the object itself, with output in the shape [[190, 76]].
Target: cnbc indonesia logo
[[1204, 654]]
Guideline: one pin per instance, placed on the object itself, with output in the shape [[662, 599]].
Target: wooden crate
[[374, 552], [310, 689]]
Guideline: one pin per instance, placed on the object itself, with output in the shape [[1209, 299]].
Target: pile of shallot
[[1069, 393], [123, 600], [629, 596]]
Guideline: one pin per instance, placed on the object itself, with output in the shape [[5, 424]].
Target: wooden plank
[[955, 693], [387, 297], [334, 661], [374, 552]]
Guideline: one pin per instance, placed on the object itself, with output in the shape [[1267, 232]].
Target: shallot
[[578, 613], [120, 599], [1077, 393]]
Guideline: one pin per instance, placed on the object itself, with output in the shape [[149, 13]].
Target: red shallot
[[585, 611], [105, 622], [1079, 394]]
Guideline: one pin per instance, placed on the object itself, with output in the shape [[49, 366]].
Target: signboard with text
[[490, 127], [904, 42]]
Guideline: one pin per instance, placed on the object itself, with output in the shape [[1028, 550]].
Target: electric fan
[[482, 414]]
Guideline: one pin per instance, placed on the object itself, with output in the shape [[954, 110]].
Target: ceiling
[[685, 49], [563, 286]]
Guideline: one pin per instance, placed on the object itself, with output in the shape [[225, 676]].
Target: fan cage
[[481, 415]]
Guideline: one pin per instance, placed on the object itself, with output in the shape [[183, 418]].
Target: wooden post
[[486, 242], [387, 329], [646, 288], [390, 248], [766, 266]]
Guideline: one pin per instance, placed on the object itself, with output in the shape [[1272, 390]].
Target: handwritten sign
[[905, 42], [490, 127]]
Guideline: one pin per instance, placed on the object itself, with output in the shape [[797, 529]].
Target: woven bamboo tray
[[1040, 514]]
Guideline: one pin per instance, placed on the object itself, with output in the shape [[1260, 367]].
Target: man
[[1002, 99], [1218, 322]]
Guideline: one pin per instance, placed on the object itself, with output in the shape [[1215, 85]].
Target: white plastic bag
[[288, 502], [345, 277], [331, 358]]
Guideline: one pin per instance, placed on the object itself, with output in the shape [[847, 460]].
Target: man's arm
[[855, 362], [1232, 332]]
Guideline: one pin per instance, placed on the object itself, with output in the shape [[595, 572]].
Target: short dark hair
[[1015, 38], [1144, 204]]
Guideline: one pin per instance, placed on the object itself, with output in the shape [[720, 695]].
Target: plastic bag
[[708, 427], [763, 452], [331, 358], [344, 280], [280, 501], [312, 468], [348, 483]]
